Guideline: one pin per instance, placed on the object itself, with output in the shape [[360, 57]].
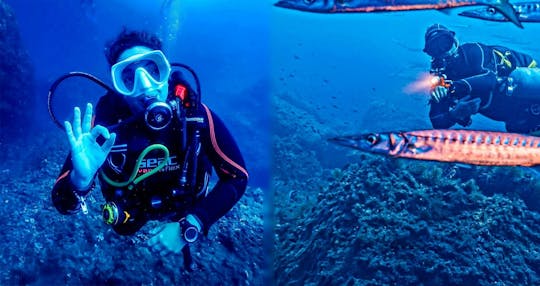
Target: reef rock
[[16, 78], [398, 222]]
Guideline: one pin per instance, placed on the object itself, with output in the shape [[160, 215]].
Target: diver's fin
[[508, 11]]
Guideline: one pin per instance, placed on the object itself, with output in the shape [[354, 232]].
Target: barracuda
[[344, 6], [463, 146], [526, 12]]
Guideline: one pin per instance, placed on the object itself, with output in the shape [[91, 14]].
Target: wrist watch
[[189, 232]]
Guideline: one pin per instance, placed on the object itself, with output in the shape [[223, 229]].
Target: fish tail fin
[[508, 11]]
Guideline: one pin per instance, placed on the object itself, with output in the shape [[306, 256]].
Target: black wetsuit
[[474, 71], [160, 196]]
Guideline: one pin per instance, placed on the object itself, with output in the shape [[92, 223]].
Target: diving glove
[[439, 93], [173, 236], [87, 155], [465, 108]]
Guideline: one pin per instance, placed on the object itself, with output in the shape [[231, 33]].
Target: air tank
[[524, 83]]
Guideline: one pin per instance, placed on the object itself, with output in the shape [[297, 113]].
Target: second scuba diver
[[151, 148], [478, 78]]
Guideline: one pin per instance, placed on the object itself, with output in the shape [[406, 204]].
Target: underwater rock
[[42, 247], [248, 105], [297, 171], [378, 223], [17, 102]]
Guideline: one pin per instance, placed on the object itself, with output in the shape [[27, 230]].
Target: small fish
[[526, 12], [344, 6], [486, 148]]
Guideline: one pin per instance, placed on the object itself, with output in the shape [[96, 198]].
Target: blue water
[[348, 71], [334, 65], [226, 44], [338, 66]]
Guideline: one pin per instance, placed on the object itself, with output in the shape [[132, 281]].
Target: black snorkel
[[194, 97], [57, 82], [438, 66], [61, 79], [187, 101]]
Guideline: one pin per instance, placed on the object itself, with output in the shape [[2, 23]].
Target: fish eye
[[491, 10], [372, 139], [309, 1]]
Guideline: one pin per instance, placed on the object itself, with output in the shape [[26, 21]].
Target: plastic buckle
[[509, 86], [82, 203]]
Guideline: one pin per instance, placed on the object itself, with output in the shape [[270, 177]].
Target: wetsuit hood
[[439, 40]]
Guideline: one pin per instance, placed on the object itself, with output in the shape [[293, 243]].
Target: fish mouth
[[345, 141], [468, 14]]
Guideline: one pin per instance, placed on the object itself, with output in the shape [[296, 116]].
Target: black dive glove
[[459, 89], [464, 109]]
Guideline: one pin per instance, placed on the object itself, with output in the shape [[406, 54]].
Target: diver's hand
[[439, 93], [168, 239], [465, 108], [172, 237], [86, 154]]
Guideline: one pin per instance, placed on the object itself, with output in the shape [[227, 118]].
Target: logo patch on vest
[[148, 164]]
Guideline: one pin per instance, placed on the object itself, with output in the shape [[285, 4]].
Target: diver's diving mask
[[142, 72]]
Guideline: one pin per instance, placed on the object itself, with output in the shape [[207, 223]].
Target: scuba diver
[[150, 148], [494, 81]]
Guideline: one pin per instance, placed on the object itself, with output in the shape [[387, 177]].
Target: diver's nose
[[144, 80], [145, 86]]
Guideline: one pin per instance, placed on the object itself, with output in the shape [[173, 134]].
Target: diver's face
[[453, 52], [142, 73], [449, 55]]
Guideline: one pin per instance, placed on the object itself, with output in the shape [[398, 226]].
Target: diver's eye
[[309, 1], [491, 10], [372, 139]]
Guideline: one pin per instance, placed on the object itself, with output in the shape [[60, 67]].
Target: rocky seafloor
[[41, 247], [17, 100], [383, 221]]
